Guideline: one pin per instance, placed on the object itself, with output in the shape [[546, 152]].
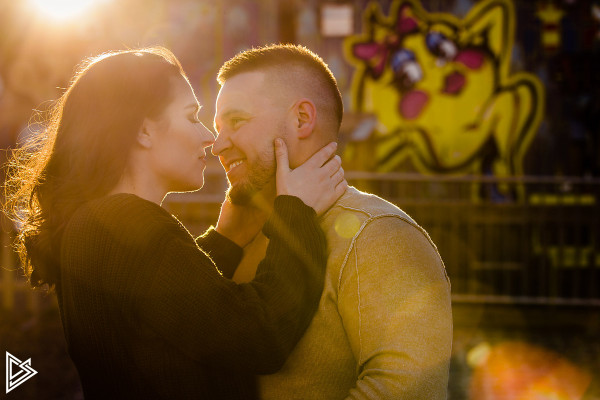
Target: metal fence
[[540, 244]]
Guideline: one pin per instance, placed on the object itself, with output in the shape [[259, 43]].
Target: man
[[383, 329]]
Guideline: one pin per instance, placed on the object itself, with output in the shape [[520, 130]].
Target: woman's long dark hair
[[83, 150]]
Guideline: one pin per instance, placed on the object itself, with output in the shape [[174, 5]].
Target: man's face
[[247, 120]]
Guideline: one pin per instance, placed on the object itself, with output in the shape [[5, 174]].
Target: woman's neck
[[141, 188]]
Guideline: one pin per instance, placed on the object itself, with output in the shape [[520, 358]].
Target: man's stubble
[[259, 177]]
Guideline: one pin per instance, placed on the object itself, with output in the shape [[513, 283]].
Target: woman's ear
[[145, 133], [305, 114]]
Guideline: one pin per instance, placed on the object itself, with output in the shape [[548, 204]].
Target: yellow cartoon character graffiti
[[442, 90]]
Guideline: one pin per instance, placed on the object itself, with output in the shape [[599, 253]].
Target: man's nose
[[221, 143]]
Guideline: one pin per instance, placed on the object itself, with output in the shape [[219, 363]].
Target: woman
[[145, 312]]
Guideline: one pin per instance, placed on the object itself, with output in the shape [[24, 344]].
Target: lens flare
[[63, 9], [521, 371], [347, 225]]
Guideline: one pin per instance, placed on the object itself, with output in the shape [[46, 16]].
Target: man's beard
[[259, 175]]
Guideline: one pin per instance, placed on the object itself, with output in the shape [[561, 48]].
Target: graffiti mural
[[442, 90], [550, 16]]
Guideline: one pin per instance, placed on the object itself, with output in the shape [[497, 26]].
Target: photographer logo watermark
[[17, 371]]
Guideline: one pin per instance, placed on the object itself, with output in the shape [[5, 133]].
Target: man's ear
[[305, 114], [145, 134]]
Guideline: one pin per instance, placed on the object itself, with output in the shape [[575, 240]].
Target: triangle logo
[[17, 371]]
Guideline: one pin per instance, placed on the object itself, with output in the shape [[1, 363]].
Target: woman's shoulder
[[122, 205], [125, 201], [121, 214]]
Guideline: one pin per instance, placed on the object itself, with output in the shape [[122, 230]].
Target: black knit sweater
[[147, 315]]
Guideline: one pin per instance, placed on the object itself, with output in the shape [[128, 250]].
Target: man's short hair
[[292, 65]]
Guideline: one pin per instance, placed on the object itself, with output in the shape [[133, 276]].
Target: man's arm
[[394, 299]]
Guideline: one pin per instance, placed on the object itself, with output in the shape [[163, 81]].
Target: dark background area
[[525, 276]]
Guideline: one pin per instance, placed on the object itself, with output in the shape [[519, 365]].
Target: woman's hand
[[240, 223], [319, 182]]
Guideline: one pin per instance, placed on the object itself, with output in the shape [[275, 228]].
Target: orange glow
[[520, 371], [63, 9]]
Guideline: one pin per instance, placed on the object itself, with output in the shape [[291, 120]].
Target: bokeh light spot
[[347, 225], [522, 371], [478, 354]]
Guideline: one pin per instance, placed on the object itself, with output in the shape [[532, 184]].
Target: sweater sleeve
[[224, 253], [394, 300], [251, 327]]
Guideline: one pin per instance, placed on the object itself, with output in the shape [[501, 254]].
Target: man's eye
[[236, 121]]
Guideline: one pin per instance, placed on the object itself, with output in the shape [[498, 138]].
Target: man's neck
[[265, 198]]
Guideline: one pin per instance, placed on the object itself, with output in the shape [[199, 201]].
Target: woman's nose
[[207, 136]]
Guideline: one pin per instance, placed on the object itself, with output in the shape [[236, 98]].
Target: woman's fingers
[[283, 167], [340, 188], [281, 156], [338, 176], [332, 166], [320, 157], [319, 182]]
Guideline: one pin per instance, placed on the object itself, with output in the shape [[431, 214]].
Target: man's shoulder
[[359, 216], [366, 206], [356, 210]]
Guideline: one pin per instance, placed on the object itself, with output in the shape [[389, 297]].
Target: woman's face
[[179, 141]]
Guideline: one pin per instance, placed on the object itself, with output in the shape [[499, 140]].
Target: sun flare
[[63, 9]]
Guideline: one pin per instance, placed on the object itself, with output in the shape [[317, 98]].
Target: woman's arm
[[224, 253], [250, 326]]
